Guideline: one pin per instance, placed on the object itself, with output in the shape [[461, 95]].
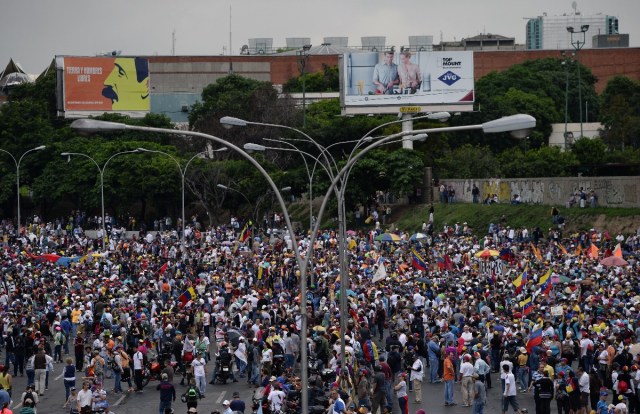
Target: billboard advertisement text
[[407, 79], [106, 84]]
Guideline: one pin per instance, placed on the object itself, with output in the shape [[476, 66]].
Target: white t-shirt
[[276, 397], [509, 385], [138, 360], [198, 367]]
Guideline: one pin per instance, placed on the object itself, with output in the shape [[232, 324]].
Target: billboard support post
[[407, 126]]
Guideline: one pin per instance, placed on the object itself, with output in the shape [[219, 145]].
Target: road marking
[[17, 406], [221, 397], [120, 399], [58, 377]]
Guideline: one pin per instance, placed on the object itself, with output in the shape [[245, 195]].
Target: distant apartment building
[[550, 32]]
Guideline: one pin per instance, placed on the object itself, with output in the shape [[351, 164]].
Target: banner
[[492, 267]]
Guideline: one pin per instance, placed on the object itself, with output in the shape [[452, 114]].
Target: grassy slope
[[479, 216]]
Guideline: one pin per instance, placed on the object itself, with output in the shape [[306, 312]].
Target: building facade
[[550, 32]]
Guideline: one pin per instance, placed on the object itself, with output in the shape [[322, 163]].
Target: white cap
[[225, 402]]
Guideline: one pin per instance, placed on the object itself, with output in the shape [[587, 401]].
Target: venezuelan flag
[[246, 232], [527, 305], [417, 261], [521, 280], [187, 295], [545, 283], [535, 339]]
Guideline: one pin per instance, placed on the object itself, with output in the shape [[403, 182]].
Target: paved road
[[148, 401]]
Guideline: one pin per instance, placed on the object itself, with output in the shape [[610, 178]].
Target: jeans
[[433, 370], [31, 376], [242, 367], [164, 405], [201, 383], [289, 361], [403, 402], [478, 407], [523, 377], [10, 357], [117, 386], [67, 388], [387, 391], [57, 353], [448, 392], [254, 377], [18, 364]]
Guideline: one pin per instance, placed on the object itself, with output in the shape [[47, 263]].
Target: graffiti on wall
[[611, 191]]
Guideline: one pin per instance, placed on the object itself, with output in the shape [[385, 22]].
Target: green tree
[[539, 162], [326, 80], [620, 103], [468, 161]]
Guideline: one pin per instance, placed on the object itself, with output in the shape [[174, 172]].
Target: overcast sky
[[32, 32]]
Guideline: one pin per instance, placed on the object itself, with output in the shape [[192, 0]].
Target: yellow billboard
[[106, 84]]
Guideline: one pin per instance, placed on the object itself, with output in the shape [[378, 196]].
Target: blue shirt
[[338, 406]]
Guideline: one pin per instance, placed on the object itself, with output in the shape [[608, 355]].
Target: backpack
[[623, 387], [28, 395], [192, 394]]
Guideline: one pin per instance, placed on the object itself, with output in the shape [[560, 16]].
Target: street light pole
[[101, 172], [17, 164], [183, 175], [578, 45], [508, 123], [515, 122], [303, 57]]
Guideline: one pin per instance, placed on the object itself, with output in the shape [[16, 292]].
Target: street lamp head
[[284, 189], [519, 122], [439, 116], [224, 187], [570, 29], [65, 154], [250, 146], [221, 149], [143, 150], [418, 137], [41, 147], [521, 133], [584, 27], [91, 126], [230, 121]]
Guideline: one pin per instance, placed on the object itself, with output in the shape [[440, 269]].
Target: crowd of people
[[551, 322]]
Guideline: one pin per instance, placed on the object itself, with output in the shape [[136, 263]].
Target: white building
[[550, 32]]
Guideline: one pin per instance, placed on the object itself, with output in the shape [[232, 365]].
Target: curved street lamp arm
[[15, 162]]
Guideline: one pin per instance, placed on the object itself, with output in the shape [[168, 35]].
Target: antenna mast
[[173, 42], [230, 45]]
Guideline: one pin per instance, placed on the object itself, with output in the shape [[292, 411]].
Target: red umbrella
[[614, 261]]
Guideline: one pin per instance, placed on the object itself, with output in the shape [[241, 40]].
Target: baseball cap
[[225, 402]]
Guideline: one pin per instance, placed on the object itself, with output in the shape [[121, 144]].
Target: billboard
[[94, 85], [389, 82]]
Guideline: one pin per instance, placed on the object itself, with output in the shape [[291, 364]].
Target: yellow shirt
[[75, 315], [4, 381]]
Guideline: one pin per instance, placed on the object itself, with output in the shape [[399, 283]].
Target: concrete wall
[[611, 191]]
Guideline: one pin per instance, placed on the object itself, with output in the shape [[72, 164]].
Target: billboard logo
[[449, 78], [450, 63]]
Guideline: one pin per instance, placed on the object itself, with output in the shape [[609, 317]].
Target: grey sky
[[34, 31]]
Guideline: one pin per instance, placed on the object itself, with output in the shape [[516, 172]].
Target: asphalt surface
[[148, 401]]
